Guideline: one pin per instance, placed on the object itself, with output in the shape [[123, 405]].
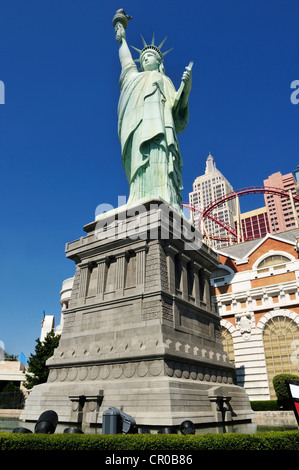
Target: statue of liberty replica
[[150, 115], [140, 333]]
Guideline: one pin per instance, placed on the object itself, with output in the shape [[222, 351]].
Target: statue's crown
[[152, 47]]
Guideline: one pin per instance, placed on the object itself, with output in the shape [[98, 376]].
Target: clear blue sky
[[59, 149]]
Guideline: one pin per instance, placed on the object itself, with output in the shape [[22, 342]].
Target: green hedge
[[265, 405], [285, 440]]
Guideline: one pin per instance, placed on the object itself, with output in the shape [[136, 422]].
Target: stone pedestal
[[140, 333]]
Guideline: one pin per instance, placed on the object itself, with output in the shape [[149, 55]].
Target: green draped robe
[[148, 128]]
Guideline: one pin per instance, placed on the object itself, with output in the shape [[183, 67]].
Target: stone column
[[84, 273], [120, 272], [196, 286], [207, 297], [202, 286], [140, 266], [102, 268], [191, 280], [171, 252], [108, 261], [184, 276]]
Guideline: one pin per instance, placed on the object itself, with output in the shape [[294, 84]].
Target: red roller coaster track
[[206, 212]]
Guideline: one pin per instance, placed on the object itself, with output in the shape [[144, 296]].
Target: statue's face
[[150, 61]]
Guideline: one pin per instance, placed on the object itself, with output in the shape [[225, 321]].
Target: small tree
[[37, 372], [11, 396]]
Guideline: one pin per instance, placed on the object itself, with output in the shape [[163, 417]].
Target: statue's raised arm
[[120, 23], [151, 113]]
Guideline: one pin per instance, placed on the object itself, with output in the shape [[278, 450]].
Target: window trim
[[223, 279], [285, 265]]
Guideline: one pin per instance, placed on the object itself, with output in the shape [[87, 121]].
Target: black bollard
[[128, 423], [144, 431], [46, 423], [187, 427], [22, 430], [112, 423], [168, 430], [73, 431]]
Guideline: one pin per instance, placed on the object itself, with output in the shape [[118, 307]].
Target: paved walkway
[[270, 418], [10, 413]]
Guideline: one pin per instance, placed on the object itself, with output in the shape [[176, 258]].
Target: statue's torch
[[122, 18]]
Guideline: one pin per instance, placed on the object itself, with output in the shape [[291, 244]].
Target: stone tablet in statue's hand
[[187, 79]]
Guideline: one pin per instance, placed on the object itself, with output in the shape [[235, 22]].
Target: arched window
[[281, 334], [228, 344], [272, 263], [220, 275]]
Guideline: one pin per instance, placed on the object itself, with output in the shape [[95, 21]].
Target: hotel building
[[254, 224], [206, 189], [281, 209]]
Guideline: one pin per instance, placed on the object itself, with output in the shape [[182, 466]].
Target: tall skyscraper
[[281, 210], [206, 189], [254, 224]]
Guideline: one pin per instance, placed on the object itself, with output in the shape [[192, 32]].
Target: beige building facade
[[256, 295], [12, 372]]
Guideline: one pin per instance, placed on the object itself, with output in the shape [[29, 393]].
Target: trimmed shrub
[[281, 390], [285, 440], [264, 405]]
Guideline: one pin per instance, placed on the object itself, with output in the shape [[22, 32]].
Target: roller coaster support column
[[294, 209], [239, 226]]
